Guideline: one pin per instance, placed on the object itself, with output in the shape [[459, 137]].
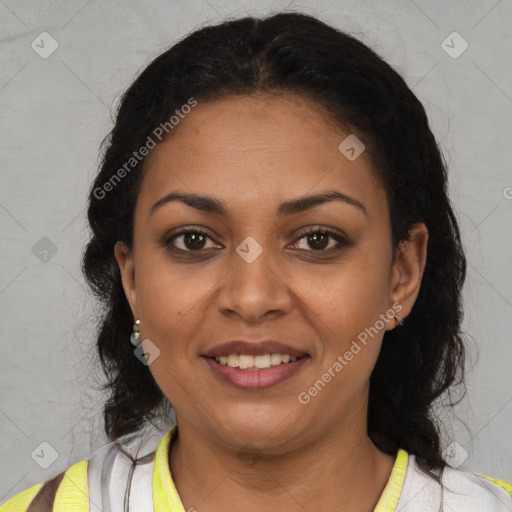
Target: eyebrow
[[210, 204]]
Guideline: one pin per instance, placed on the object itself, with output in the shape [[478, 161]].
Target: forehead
[[257, 148]]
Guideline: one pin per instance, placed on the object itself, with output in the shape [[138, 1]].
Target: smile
[[250, 362], [263, 371]]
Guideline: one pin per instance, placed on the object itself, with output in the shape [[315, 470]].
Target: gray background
[[55, 112]]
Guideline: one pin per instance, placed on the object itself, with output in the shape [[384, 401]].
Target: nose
[[254, 291]]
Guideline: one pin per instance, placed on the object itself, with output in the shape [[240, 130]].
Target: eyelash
[[342, 241]]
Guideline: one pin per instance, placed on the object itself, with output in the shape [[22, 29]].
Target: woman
[[272, 233]]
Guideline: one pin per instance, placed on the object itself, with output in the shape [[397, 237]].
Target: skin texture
[[264, 450]]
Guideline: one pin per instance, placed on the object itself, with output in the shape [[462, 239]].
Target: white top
[[110, 481], [463, 492], [408, 489]]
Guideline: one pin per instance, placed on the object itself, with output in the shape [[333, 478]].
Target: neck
[[328, 473]]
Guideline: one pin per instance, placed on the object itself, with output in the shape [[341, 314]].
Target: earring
[[399, 320], [134, 338]]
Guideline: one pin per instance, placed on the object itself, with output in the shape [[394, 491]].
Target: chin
[[259, 429]]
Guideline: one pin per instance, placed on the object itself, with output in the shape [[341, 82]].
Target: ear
[[125, 260], [408, 267]]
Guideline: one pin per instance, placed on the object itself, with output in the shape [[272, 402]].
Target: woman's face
[[247, 168]]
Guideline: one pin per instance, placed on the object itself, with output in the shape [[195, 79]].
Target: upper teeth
[[244, 361]]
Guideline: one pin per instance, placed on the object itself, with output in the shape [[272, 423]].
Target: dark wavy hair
[[279, 54]]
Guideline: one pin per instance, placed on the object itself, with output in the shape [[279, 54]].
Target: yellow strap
[[165, 495], [73, 492], [501, 483], [21, 501], [391, 494]]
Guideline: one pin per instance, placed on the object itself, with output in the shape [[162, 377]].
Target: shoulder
[[95, 483], [68, 488], [477, 492], [460, 491]]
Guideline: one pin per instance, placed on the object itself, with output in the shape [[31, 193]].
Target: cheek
[[171, 309], [350, 297], [168, 294], [346, 313]]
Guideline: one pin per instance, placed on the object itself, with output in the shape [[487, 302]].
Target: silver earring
[[399, 320], [134, 338]]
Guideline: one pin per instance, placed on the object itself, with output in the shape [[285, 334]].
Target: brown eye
[[320, 240], [191, 240], [194, 241]]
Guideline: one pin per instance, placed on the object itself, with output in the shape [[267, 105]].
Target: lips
[[256, 379], [236, 362], [253, 348]]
